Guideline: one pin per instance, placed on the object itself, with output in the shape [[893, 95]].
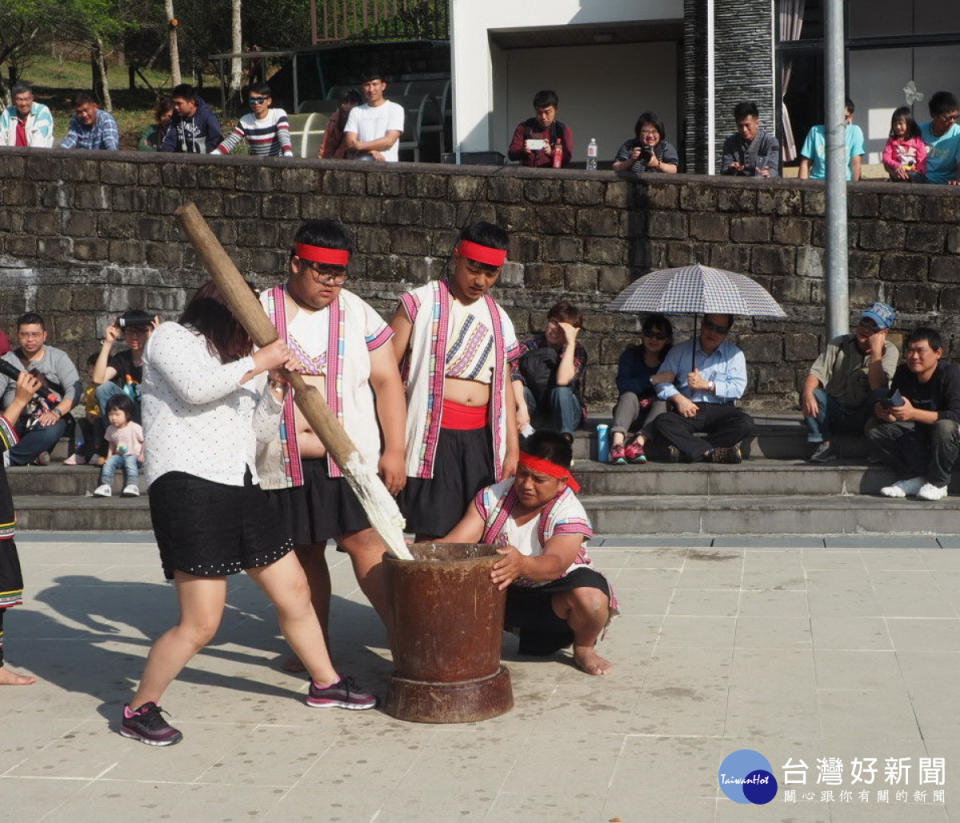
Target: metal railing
[[364, 20]]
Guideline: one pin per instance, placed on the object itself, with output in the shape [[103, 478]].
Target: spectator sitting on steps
[[703, 398], [917, 426], [847, 380], [122, 372], [42, 423]]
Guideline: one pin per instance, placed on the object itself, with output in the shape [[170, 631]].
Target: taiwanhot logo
[[747, 777]]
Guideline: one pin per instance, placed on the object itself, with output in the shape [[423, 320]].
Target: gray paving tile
[[616, 541], [880, 542], [790, 541]]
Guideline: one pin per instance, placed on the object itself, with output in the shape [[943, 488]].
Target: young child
[[554, 598], [125, 439], [905, 155], [11, 580], [455, 344], [89, 443], [266, 130]]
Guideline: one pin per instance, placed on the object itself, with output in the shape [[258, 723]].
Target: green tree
[[23, 24]]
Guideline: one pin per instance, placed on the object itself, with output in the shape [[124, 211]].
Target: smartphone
[[535, 144]]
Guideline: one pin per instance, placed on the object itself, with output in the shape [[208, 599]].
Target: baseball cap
[[882, 314]]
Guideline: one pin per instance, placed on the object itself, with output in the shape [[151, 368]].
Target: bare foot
[[587, 660], [10, 678], [293, 665]]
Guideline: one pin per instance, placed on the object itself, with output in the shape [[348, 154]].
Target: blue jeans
[[127, 462], [105, 391], [564, 413], [834, 417], [38, 439]]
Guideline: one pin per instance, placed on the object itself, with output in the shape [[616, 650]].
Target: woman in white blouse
[[206, 403]]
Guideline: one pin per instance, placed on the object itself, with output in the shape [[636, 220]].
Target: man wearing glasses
[[265, 129], [342, 345], [941, 134], [708, 376], [846, 381]]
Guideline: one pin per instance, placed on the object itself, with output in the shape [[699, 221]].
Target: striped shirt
[[103, 134], [269, 137]]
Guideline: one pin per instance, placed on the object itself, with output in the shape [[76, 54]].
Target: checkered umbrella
[[697, 289]]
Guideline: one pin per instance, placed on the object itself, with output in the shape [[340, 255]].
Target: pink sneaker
[[617, 456], [634, 453]]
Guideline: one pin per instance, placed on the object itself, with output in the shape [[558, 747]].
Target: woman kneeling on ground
[[206, 402], [553, 598], [638, 405]]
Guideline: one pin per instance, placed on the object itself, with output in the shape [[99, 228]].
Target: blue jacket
[[198, 134]]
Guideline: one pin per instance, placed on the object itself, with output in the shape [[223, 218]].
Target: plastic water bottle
[[592, 154], [603, 442]]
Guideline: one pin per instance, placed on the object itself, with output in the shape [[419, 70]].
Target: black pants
[[724, 426], [2, 612], [928, 451]]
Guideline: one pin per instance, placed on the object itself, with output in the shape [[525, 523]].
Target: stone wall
[[84, 236]]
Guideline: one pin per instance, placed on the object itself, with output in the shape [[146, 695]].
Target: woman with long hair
[[206, 403]]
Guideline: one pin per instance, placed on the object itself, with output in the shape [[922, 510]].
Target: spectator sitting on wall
[[91, 128], [194, 128], [551, 373], [334, 147], [373, 129], [905, 154], [752, 151], [152, 136], [813, 163], [941, 135], [846, 381], [917, 427], [535, 140], [266, 129], [649, 150], [26, 122], [42, 422]]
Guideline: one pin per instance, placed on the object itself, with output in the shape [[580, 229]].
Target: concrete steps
[[774, 492]]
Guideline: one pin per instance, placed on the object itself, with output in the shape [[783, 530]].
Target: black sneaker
[[823, 453], [147, 725], [726, 454], [344, 694], [673, 454]]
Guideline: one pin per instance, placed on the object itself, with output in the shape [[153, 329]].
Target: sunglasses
[[655, 335], [715, 328], [252, 100]]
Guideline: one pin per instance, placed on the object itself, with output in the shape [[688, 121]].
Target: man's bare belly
[[308, 442], [467, 392]]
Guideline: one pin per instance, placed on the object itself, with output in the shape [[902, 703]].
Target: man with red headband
[[455, 344], [554, 598], [341, 343]]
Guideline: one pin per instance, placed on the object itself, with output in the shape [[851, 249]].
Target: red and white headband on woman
[[321, 254], [482, 254], [542, 466]]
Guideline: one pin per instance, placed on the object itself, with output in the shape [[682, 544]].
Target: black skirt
[[11, 579], [463, 466], [322, 508], [530, 613], [210, 529]]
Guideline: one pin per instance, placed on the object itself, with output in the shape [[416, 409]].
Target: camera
[[134, 319]]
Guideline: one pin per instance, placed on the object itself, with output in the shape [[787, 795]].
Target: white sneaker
[[930, 492], [130, 490], [103, 490], [903, 488]]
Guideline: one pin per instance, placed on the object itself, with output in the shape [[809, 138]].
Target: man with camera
[[846, 381], [917, 426], [122, 372], [751, 152], [42, 423], [536, 139]]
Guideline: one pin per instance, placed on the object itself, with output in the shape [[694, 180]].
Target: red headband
[[321, 254], [482, 254], [541, 466]]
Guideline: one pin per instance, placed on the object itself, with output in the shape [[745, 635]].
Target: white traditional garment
[[562, 515], [334, 342], [431, 311]]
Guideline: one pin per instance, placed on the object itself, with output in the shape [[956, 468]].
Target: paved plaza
[[798, 648]]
